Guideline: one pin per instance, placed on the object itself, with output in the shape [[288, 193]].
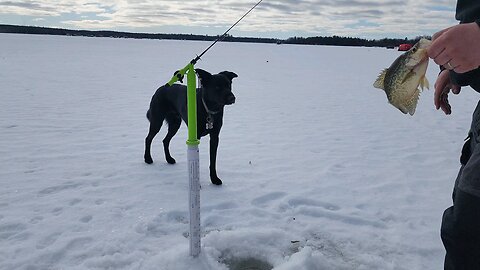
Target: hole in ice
[[247, 264]]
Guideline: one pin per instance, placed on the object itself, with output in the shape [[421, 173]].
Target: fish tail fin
[[379, 83]]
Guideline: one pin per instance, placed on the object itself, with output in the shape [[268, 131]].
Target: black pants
[[461, 232], [461, 223]]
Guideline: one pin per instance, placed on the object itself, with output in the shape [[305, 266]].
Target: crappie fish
[[402, 79]]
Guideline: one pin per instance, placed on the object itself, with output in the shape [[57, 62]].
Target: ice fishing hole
[[247, 264]]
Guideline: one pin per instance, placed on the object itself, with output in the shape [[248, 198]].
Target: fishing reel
[[179, 75]]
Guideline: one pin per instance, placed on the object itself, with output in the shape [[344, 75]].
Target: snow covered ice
[[319, 171]]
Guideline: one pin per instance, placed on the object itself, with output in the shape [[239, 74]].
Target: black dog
[[170, 103]]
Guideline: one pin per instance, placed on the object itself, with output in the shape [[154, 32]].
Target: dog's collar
[[206, 108], [209, 124]]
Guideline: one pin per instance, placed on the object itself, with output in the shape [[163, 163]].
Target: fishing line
[[194, 61]]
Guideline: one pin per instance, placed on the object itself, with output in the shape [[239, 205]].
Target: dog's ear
[[204, 76], [230, 75]]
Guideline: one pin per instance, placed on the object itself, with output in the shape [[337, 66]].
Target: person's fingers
[[438, 96], [441, 97], [456, 89], [435, 49], [436, 35], [439, 33], [443, 59], [447, 109], [462, 68], [440, 84], [452, 65], [443, 101]]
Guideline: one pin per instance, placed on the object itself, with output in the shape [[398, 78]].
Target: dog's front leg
[[213, 159]]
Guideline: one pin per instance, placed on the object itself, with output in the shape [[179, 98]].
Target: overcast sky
[[277, 19]]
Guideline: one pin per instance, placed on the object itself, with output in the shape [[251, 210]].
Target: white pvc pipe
[[194, 199]]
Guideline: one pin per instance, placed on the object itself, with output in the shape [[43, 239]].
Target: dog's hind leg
[[174, 121], [155, 126]]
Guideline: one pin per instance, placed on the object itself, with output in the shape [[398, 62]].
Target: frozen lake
[[319, 171]]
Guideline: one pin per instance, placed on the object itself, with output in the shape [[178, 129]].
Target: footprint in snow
[[57, 211], [59, 188], [86, 219], [178, 216], [297, 202], [74, 202], [8, 231], [264, 200], [48, 241], [36, 219], [99, 201], [219, 207]]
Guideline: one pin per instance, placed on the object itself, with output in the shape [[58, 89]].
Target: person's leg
[[461, 233], [461, 223]]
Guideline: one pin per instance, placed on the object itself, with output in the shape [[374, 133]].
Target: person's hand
[[443, 85], [456, 48]]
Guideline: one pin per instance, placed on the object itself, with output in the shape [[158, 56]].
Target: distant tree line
[[349, 41], [333, 40]]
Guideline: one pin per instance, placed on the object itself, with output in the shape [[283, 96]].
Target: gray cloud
[[28, 6], [20, 4], [312, 17]]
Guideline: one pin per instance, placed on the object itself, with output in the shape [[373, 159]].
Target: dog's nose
[[230, 99]]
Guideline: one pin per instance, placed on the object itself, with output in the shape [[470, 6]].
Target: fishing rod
[[222, 37], [179, 74]]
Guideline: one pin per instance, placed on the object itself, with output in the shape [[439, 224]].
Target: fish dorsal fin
[[379, 83]]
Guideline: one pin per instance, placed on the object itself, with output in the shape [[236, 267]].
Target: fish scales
[[402, 79]]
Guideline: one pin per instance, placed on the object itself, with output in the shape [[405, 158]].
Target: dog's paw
[[171, 160], [216, 181], [148, 160]]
